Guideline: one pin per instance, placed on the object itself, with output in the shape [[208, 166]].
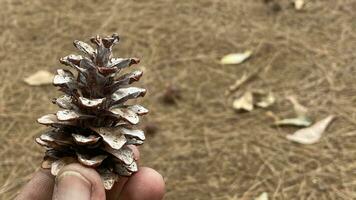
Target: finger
[[75, 181], [114, 193], [40, 187], [146, 184]]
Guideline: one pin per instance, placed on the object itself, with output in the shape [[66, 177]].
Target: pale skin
[[77, 182]]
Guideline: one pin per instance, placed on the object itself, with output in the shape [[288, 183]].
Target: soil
[[202, 147]]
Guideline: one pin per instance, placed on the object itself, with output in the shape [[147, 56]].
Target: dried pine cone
[[95, 124]]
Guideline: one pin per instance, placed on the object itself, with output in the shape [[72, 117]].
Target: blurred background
[[202, 134]]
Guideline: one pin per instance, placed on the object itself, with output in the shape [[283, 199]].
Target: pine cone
[[95, 124]]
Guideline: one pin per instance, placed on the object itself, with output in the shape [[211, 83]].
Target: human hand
[[76, 182]]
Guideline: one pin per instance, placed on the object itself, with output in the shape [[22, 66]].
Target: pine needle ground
[[203, 149]]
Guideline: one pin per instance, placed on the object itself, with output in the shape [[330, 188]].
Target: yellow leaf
[[266, 100], [245, 102], [263, 196], [299, 4], [311, 134], [298, 121], [40, 78], [299, 109], [235, 58]]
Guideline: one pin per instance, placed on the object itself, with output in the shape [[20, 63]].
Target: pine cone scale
[[123, 94], [85, 140], [111, 137], [85, 48], [124, 154], [60, 163], [91, 161]]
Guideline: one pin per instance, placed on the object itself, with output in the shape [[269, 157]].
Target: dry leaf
[[299, 109], [40, 78], [311, 134], [150, 128], [298, 121], [266, 100], [301, 119], [245, 102], [171, 94], [272, 115], [299, 4], [235, 58], [238, 82], [263, 196]]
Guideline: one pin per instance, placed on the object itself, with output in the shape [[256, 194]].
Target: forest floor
[[203, 148]]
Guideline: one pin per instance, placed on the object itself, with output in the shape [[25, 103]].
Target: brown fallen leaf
[[171, 94], [150, 128], [41, 77], [311, 134]]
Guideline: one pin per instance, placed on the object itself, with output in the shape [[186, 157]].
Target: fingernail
[[72, 185]]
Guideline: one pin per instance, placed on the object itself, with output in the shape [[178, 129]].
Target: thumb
[[75, 181]]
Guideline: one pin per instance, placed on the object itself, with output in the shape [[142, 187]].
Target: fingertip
[[156, 179], [76, 181], [146, 184]]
